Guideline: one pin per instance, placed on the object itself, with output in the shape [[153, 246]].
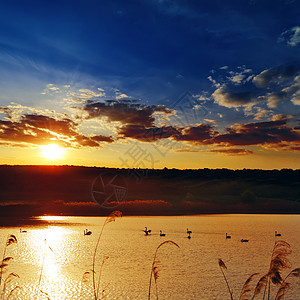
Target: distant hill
[[74, 190]]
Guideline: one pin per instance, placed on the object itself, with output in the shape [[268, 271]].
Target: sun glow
[[52, 151]]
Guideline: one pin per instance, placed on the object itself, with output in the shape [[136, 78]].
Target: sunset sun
[[52, 151]]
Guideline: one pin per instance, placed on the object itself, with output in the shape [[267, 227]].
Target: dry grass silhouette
[[111, 218], [155, 267], [11, 278], [273, 278]]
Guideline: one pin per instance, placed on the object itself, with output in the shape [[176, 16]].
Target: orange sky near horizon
[[267, 159]]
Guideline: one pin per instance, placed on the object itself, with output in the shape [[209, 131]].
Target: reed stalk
[[41, 272], [223, 266], [109, 219], [155, 270], [100, 272]]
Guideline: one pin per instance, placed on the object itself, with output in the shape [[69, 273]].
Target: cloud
[[150, 134], [127, 112], [225, 97], [193, 134], [231, 152], [41, 130], [224, 151], [239, 77], [122, 96], [291, 36], [196, 134], [262, 113], [271, 86], [273, 99], [294, 91], [275, 75], [273, 132]]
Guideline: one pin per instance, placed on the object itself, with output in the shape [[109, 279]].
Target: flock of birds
[[147, 231], [246, 241]]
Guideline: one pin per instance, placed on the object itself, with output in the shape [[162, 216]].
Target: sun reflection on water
[[52, 218], [49, 244]]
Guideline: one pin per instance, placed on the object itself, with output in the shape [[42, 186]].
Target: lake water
[[188, 272]]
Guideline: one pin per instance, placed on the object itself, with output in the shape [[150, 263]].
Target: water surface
[[190, 272]]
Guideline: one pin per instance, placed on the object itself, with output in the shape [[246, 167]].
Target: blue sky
[[237, 59]]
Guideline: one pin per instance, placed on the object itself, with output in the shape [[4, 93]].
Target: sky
[[150, 84]]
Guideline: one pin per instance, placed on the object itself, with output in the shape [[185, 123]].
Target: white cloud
[[121, 96], [88, 94], [262, 113], [294, 90], [291, 36], [276, 75]]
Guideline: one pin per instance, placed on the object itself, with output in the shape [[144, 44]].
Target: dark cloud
[[275, 75], [263, 133], [225, 97], [151, 134], [126, 112], [230, 151], [235, 151], [196, 134], [64, 126], [102, 138], [41, 130]]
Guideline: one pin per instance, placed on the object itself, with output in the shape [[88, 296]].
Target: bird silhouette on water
[[147, 231]]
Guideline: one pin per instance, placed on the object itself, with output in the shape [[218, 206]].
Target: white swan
[[277, 234], [244, 240], [22, 231], [188, 231], [228, 236]]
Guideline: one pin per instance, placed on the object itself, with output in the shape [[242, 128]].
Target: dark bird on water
[[87, 232], [162, 234], [147, 231], [244, 240]]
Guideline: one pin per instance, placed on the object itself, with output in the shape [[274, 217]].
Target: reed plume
[[247, 288], [155, 269], [9, 279], [12, 291], [223, 266], [111, 218], [279, 262], [285, 285], [261, 284], [11, 239], [85, 280]]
